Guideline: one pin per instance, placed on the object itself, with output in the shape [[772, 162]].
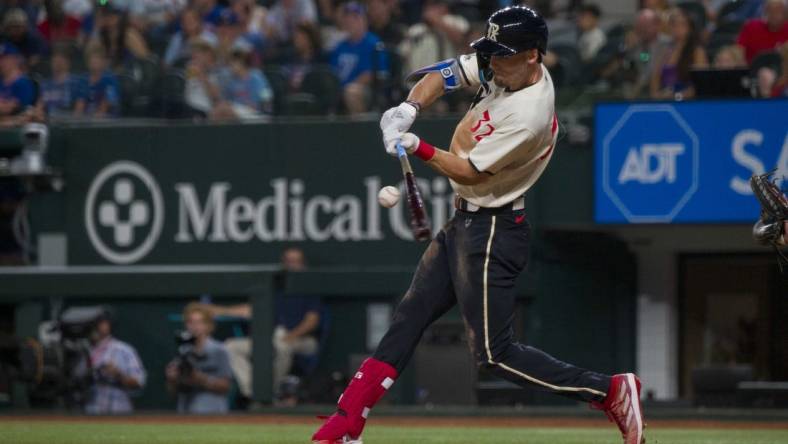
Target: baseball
[[388, 196]]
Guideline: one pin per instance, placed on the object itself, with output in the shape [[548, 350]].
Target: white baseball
[[388, 196]]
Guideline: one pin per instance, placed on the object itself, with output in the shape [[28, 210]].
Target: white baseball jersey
[[509, 134]]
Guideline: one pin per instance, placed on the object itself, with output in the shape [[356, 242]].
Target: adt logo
[[124, 212], [650, 163]]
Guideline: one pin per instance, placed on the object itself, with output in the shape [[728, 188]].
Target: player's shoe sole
[[345, 440]]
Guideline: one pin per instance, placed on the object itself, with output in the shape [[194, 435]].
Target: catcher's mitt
[[770, 228]]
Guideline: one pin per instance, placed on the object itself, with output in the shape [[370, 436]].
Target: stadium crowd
[[220, 60], [237, 59]]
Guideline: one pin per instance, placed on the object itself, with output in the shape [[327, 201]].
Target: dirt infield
[[403, 421]]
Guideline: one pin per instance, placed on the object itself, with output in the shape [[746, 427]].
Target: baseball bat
[[419, 222]]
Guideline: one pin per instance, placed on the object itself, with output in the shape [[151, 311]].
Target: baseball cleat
[[344, 440], [622, 406], [335, 430]]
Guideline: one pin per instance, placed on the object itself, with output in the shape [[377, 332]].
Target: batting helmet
[[511, 30]]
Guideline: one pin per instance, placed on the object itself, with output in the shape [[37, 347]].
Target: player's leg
[[430, 295], [489, 254]]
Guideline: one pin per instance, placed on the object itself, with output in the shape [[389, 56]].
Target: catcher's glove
[[770, 228]]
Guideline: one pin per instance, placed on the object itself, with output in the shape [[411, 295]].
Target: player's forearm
[[456, 168], [427, 90]]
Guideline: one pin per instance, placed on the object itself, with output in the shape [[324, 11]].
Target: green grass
[[38, 432]]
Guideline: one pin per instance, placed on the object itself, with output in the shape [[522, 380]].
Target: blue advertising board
[[686, 162]]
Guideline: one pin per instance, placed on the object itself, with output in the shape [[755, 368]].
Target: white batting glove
[[395, 122], [409, 141]]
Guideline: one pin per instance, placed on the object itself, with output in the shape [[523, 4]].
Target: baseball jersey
[[508, 134]]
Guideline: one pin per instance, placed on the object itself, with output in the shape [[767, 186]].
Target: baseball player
[[772, 225], [499, 149]]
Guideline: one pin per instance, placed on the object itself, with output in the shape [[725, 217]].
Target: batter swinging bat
[[419, 222]]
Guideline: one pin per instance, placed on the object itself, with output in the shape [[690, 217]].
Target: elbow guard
[[450, 70]]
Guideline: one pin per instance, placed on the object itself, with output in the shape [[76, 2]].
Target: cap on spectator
[[354, 8], [228, 18], [8, 49], [15, 16]]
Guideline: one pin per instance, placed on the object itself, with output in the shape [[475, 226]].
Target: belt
[[463, 205]]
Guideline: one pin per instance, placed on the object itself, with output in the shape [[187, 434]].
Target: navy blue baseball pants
[[473, 262]]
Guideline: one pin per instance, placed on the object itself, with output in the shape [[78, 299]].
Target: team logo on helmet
[[492, 32]]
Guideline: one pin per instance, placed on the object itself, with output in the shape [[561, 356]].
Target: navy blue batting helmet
[[511, 30]]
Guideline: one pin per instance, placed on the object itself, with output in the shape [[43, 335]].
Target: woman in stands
[[307, 52], [113, 34], [671, 78]]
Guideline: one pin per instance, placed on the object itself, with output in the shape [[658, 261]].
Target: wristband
[[425, 151], [414, 104]]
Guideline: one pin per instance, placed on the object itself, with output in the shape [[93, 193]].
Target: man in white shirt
[[498, 151], [591, 38], [438, 36]]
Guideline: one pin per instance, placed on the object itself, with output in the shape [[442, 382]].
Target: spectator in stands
[[231, 34], [440, 36], [591, 38], [153, 15], [103, 92], [283, 17], [17, 91], [245, 90], [250, 29], [671, 77], [117, 372], [645, 46], [767, 33], [77, 8], [202, 378], [307, 53], [250, 14], [357, 58], [63, 94], [381, 22], [192, 28], [17, 30], [765, 81], [297, 321], [202, 79], [119, 41], [730, 57], [781, 86], [210, 10], [663, 10], [58, 26]]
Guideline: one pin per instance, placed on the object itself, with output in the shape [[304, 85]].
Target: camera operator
[[200, 374], [117, 372]]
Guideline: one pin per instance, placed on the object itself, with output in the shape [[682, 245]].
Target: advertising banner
[[686, 162]]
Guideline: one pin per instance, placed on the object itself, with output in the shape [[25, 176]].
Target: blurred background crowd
[[239, 59]]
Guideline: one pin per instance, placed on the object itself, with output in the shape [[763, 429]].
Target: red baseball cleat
[[622, 406], [336, 430], [365, 389]]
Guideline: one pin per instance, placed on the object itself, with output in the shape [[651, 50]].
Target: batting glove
[[409, 141], [395, 122]]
